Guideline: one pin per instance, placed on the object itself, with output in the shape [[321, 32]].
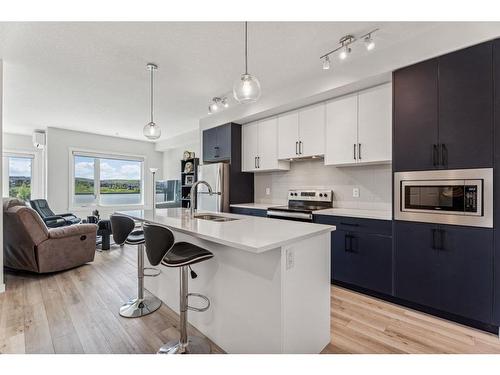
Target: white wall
[[172, 160], [2, 285], [18, 143], [373, 181], [59, 143]]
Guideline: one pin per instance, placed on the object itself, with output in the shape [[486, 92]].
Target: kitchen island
[[268, 282]]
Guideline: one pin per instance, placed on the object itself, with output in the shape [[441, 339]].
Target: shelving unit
[[185, 188]]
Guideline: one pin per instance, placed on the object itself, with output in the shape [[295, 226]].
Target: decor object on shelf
[[186, 155], [345, 47], [188, 168], [189, 180], [192, 155], [247, 88], [152, 130]]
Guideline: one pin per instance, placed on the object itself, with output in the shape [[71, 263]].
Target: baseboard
[[2, 288]]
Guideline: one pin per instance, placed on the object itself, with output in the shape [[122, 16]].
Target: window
[[107, 180], [17, 176]]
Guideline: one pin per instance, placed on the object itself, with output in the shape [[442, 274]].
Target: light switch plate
[[268, 191], [290, 259], [355, 192]]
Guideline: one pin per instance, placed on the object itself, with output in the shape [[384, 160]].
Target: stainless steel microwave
[[457, 197]]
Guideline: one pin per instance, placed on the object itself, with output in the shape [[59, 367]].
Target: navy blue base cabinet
[[361, 252], [448, 268]]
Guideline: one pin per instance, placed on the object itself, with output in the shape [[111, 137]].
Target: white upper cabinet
[[302, 133], [260, 147], [375, 124], [342, 130], [288, 135], [249, 146], [359, 128], [312, 130]]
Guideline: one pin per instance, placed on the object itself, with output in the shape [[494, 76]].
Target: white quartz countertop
[[250, 233], [356, 212], [257, 206]]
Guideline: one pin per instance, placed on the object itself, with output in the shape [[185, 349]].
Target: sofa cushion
[[12, 202]]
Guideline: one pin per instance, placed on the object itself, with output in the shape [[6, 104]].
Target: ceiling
[[92, 76]]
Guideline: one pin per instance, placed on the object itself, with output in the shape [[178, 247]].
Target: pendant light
[[247, 88], [152, 130]]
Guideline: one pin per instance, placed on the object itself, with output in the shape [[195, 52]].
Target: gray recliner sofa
[[30, 246]]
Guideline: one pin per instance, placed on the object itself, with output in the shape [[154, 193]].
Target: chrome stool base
[[140, 307], [195, 345]]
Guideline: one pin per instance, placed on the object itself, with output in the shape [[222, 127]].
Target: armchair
[[30, 246], [50, 219]]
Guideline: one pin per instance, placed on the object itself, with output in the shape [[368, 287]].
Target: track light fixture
[[326, 63], [217, 104], [369, 43], [344, 48]]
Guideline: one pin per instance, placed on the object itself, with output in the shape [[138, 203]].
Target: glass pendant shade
[[247, 89], [152, 131]]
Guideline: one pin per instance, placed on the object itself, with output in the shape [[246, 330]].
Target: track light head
[[369, 43], [344, 52], [326, 63]]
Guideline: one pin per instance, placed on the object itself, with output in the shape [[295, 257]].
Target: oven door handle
[[289, 214]]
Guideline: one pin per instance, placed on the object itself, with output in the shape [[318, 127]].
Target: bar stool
[[123, 231], [161, 247]]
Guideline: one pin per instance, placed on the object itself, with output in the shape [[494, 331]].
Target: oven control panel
[[310, 195]]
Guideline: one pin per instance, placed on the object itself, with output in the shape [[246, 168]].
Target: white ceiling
[[92, 76]]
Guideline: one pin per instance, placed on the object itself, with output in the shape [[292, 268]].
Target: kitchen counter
[[250, 233], [268, 281], [358, 213]]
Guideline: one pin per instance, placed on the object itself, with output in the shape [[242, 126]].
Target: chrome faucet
[[193, 198]]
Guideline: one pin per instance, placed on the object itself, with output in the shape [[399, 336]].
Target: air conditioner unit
[[39, 139]]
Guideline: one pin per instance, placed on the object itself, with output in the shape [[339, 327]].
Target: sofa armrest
[[72, 230]]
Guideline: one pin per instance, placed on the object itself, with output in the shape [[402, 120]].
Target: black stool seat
[[184, 254], [135, 238]]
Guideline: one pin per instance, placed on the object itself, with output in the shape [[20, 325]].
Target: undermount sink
[[214, 217]]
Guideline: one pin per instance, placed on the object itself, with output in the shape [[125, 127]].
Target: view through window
[[18, 171], [107, 181]]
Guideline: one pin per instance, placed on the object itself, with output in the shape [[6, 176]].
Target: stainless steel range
[[302, 204]]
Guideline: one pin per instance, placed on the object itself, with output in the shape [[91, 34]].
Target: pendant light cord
[[152, 95], [246, 47]]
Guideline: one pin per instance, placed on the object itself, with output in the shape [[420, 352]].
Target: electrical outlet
[[355, 192], [290, 259], [268, 191]]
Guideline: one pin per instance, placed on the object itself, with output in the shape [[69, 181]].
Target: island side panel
[[244, 290], [306, 295]]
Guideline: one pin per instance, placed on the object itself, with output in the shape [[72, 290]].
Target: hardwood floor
[[77, 312]]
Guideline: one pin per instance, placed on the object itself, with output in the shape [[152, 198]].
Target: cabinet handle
[[438, 243], [354, 151], [349, 224], [297, 148], [434, 239], [348, 248], [444, 155], [216, 148], [441, 239], [255, 162], [359, 151], [300, 147], [435, 155], [258, 162]]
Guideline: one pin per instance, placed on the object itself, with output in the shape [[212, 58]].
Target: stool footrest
[[154, 272], [199, 309]]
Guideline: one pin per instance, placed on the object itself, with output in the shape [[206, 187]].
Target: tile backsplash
[[374, 183]]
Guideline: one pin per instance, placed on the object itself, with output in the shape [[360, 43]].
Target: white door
[[312, 130], [250, 146], [375, 124], [288, 135], [342, 131], [268, 144]]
